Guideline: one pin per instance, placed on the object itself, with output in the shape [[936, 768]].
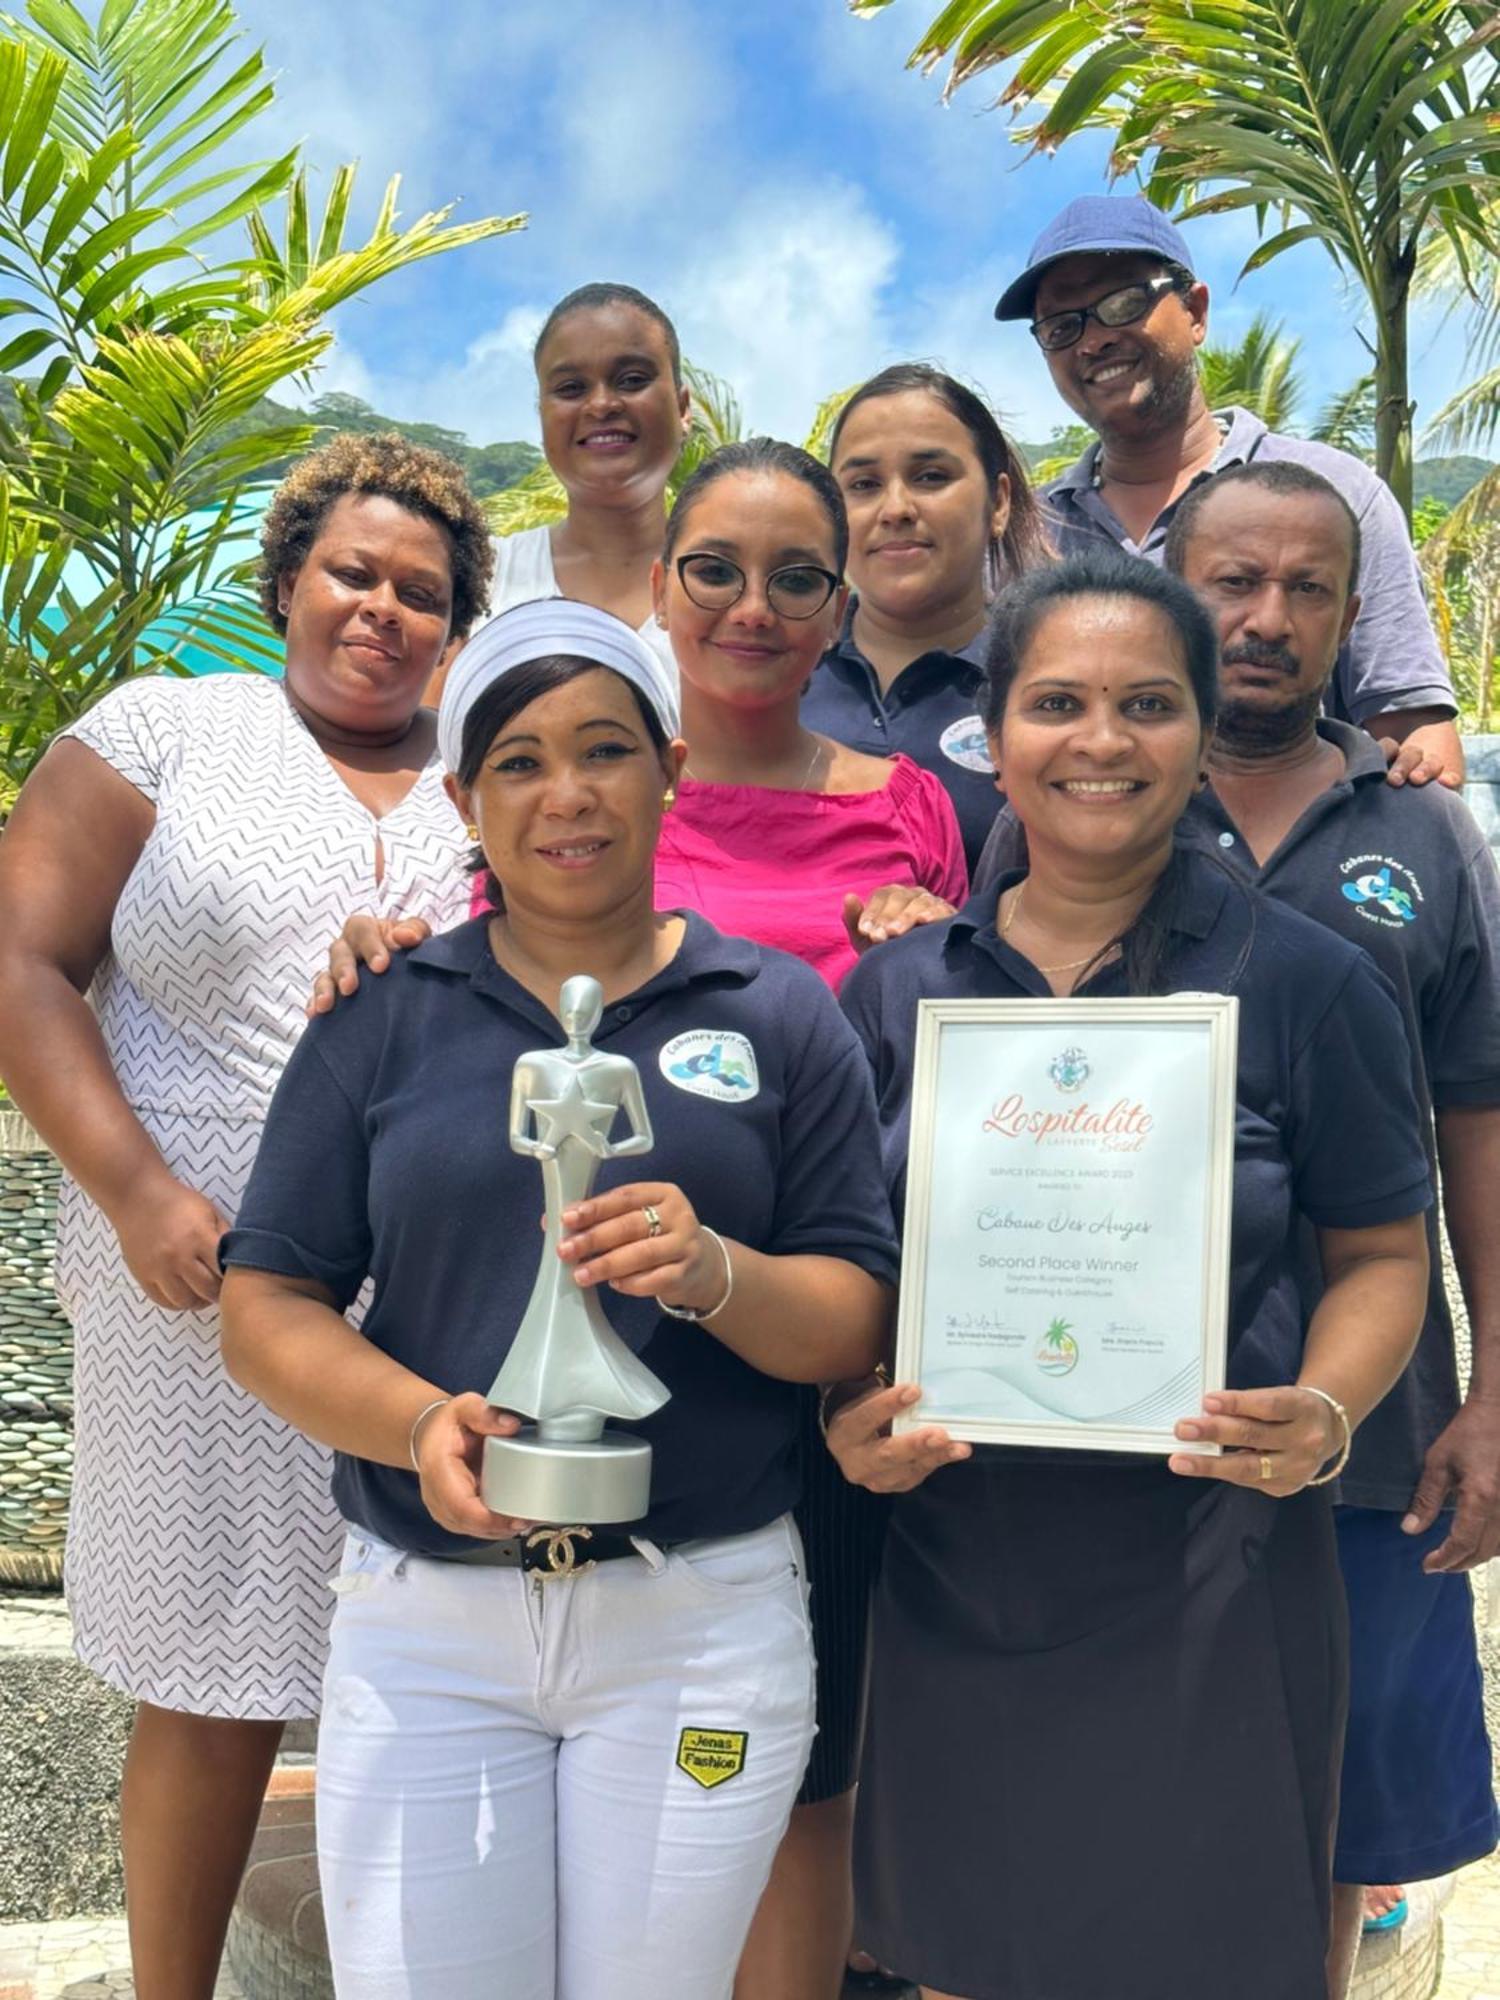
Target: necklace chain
[[1073, 963], [801, 784]]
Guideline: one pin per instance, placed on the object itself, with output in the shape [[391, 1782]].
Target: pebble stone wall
[[36, 1361]]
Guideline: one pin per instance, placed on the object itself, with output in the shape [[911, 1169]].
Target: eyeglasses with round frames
[[796, 590], [1122, 308]]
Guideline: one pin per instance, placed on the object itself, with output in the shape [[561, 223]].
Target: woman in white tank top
[[614, 413]]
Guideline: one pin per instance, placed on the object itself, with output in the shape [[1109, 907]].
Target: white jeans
[[568, 1789]]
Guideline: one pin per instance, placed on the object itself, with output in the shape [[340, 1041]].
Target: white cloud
[[515, 335], [791, 300], [635, 115], [344, 372]]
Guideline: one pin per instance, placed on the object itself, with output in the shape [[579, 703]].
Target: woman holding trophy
[[557, 1760]]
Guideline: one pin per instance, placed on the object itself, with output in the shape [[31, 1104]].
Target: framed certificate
[[1065, 1272]]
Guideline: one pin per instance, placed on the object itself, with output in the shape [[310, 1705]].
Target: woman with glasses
[[940, 515], [780, 833], [785, 835]]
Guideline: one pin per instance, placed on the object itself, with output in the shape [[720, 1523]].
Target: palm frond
[[305, 275], [1368, 129], [819, 437], [1260, 373], [1347, 418], [535, 501]]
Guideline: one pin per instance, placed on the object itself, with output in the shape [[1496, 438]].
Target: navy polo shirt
[[1326, 1126], [386, 1154], [930, 711], [1404, 873]]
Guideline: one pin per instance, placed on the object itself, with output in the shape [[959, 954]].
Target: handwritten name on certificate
[[1066, 1262]]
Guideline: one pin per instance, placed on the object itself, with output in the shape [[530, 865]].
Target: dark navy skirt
[[842, 1530], [1106, 1715]]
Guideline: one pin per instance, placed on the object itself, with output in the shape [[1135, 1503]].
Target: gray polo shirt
[[1393, 659], [1405, 872]]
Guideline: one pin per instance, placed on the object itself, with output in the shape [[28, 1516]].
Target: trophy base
[[563, 1484]]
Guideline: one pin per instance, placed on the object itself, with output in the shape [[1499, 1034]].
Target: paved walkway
[[1471, 1935], [86, 1958]]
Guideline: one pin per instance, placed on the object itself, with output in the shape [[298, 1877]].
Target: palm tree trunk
[[1394, 263]]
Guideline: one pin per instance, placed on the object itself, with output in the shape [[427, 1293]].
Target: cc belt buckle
[[559, 1556]]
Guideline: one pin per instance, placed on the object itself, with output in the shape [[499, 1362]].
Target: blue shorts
[[1417, 1798]]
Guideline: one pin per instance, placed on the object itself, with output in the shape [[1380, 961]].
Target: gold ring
[[653, 1228], [1267, 1470]]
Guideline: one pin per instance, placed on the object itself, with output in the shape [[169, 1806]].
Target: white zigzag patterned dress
[[202, 1534]]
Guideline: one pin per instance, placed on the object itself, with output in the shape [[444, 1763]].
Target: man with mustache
[[1114, 306], [1298, 804]]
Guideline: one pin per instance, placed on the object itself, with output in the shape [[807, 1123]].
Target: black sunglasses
[[797, 590], [1121, 308]]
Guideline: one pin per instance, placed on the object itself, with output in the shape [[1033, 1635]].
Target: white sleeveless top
[[524, 572]]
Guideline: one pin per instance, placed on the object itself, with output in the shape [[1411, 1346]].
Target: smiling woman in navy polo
[[639, 1730], [1127, 1677], [941, 513]]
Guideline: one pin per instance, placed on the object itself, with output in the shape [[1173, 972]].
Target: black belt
[[548, 1551]]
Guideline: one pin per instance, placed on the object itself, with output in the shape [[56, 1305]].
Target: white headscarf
[[533, 631]]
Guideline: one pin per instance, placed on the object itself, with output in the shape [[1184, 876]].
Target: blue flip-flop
[[1393, 1919]]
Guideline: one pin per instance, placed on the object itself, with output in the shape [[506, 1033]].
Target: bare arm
[[1463, 1464], [798, 1318], [1361, 1337], [285, 1343], [77, 831]]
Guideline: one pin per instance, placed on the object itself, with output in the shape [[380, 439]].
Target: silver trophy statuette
[[567, 1367]]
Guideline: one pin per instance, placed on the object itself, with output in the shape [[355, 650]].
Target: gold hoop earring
[[669, 798], [473, 832]]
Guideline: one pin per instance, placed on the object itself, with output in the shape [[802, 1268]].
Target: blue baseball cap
[[1094, 222]]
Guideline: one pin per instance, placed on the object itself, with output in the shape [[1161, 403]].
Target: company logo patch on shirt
[[963, 743], [1384, 892], [712, 1062], [712, 1756]]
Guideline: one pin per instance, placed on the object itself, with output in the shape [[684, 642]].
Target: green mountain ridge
[[490, 467]]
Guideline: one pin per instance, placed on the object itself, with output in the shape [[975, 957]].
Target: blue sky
[[803, 205]]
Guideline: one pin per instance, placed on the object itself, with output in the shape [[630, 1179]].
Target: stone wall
[[1482, 784], [36, 1366]]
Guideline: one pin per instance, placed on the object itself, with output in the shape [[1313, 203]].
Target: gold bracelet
[[1341, 1456], [416, 1424]]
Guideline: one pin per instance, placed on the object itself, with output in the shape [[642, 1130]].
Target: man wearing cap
[[1115, 308]]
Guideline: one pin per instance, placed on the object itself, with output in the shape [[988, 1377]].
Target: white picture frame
[[1053, 1228]]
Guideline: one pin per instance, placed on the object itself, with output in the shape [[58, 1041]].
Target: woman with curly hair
[[167, 881]]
